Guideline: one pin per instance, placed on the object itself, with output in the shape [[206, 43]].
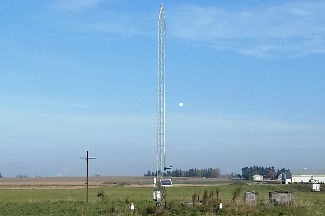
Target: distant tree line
[[193, 172], [266, 172], [1, 176], [21, 176]]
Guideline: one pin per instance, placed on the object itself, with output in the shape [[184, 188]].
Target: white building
[[257, 178], [308, 176], [296, 178]]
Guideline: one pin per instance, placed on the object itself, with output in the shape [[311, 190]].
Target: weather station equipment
[[159, 182]]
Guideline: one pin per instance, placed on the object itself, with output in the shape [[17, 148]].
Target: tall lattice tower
[[159, 182], [161, 121]]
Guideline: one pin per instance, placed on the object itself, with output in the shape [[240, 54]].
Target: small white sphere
[[181, 104]]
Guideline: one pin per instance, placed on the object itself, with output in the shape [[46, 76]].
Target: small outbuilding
[[257, 177], [315, 186]]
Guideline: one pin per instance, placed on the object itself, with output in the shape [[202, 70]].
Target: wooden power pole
[[87, 179]]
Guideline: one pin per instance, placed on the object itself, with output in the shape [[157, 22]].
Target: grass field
[[63, 196]]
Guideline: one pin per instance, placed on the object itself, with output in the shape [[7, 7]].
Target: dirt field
[[79, 182]]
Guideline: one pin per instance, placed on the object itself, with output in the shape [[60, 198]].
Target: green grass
[[116, 199], [41, 195]]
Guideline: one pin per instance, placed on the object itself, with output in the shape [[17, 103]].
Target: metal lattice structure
[[161, 121]]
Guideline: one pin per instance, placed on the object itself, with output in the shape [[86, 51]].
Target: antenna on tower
[[159, 182]]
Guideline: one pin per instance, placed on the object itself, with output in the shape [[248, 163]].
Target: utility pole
[[87, 180]]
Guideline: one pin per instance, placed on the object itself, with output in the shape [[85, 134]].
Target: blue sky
[[79, 75]]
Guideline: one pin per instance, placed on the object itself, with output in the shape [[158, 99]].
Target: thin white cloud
[[74, 4], [115, 26], [283, 30], [107, 21], [239, 129]]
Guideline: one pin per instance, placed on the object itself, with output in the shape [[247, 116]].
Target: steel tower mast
[[159, 195], [161, 123]]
